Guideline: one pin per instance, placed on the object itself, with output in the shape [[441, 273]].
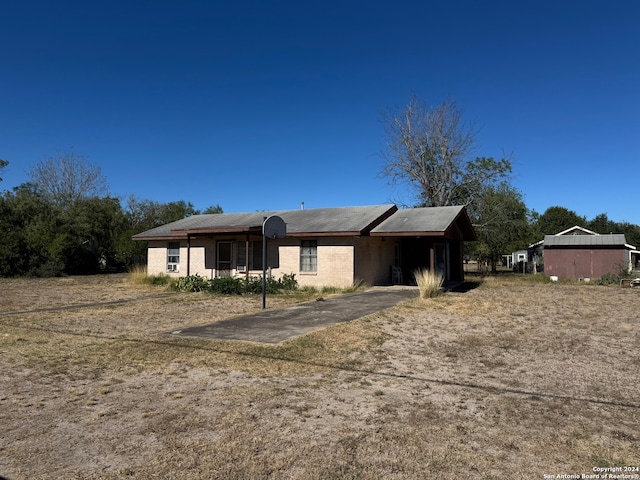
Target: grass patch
[[137, 275]]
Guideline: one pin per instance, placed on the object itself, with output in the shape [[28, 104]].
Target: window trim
[[255, 253], [309, 261], [173, 259]]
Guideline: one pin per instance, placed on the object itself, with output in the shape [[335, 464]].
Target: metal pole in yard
[[272, 227]]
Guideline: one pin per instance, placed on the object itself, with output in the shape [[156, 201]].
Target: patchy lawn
[[513, 379]]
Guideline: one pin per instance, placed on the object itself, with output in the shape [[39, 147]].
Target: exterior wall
[[583, 263], [200, 257], [341, 261], [335, 261], [157, 259], [374, 257]]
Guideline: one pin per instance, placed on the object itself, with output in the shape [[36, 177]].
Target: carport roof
[[428, 221]]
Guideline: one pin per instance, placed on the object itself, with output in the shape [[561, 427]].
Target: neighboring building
[[587, 256], [327, 246], [517, 260], [535, 251], [580, 253]]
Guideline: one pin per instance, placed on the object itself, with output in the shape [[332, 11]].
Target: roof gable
[[577, 230], [427, 221], [345, 220]]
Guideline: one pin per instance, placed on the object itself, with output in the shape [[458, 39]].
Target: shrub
[[289, 282], [608, 279], [234, 285], [191, 283], [227, 285], [429, 282]]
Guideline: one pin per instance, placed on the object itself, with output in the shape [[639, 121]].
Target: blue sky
[[262, 105]]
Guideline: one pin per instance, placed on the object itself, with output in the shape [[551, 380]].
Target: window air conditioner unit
[[242, 268]]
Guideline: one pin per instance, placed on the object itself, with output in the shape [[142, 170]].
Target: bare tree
[[68, 177], [429, 149]]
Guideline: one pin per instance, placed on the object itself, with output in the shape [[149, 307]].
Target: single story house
[[326, 246], [587, 256]]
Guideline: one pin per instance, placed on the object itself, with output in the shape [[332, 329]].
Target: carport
[[432, 241]]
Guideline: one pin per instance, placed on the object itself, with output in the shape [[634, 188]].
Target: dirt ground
[[513, 379]]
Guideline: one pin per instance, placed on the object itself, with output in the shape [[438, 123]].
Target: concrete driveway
[[273, 326]]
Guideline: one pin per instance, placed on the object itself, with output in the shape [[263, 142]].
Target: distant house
[[580, 253], [326, 246]]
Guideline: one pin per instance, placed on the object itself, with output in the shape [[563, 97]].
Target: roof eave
[[160, 238], [221, 230], [325, 234], [408, 234], [469, 226]]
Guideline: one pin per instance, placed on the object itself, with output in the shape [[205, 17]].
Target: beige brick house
[[327, 246]]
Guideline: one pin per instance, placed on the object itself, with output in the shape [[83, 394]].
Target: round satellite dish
[[274, 227]]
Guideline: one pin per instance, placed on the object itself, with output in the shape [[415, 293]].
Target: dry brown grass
[[429, 282], [513, 379]]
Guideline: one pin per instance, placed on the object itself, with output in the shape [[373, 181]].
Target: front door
[[440, 260], [224, 259]]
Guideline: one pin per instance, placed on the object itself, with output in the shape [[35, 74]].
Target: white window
[[309, 256], [173, 257]]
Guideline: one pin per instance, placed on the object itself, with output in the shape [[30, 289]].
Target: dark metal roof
[[426, 221], [344, 220], [609, 240], [317, 221]]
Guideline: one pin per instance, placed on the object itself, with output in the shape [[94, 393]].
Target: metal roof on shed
[[609, 240]]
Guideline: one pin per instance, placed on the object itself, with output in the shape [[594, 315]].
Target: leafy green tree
[[501, 221], [172, 211], [631, 233], [601, 224], [32, 235], [556, 219], [55, 231], [146, 214], [3, 164], [94, 226], [430, 150], [213, 209]]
